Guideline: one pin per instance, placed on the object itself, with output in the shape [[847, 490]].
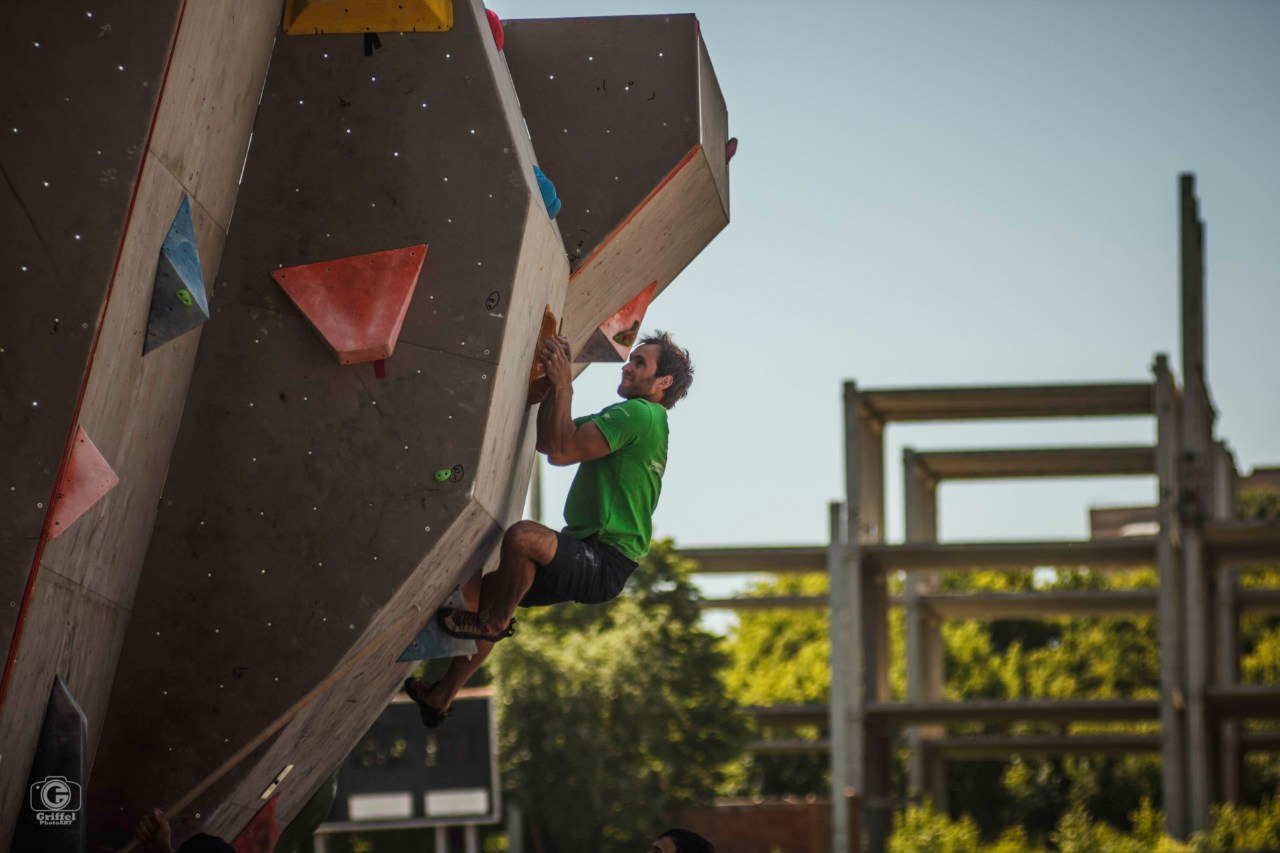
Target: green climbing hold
[[443, 475]]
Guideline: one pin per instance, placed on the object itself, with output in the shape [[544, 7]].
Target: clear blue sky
[[934, 193]]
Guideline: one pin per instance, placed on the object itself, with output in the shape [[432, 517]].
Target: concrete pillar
[[923, 633], [867, 613], [1226, 665], [1169, 601], [1194, 507], [842, 683]]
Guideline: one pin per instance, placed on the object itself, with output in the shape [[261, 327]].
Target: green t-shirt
[[615, 495]]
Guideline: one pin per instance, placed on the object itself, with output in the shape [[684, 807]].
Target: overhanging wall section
[[628, 121]]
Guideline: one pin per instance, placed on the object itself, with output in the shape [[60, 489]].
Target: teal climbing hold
[[548, 191], [178, 300]]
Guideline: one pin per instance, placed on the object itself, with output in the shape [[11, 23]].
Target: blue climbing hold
[[178, 300], [433, 643], [548, 191]]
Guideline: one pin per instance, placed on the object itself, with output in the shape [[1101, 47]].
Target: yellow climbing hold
[[310, 17]]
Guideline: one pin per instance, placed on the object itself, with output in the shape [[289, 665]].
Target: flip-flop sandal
[[431, 717], [458, 623]]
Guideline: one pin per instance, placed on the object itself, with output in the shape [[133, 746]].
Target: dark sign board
[[403, 775]]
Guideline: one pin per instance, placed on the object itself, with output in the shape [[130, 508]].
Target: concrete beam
[[1012, 710], [1121, 553], [1037, 462], [1029, 401], [781, 559], [1239, 541], [1241, 701], [1038, 605]]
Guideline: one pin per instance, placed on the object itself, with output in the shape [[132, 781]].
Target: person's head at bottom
[[678, 840], [205, 844]]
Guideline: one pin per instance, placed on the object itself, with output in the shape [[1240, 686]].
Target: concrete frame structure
[[1196, 544]]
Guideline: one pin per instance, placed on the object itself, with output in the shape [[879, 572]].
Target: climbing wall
[[629, 123], [316, 512], [224, 565], [114, 114]]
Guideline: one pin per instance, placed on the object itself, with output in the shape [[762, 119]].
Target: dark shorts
[[583, 570]]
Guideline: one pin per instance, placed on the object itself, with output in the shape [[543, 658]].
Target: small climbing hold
[[86, 479], [178, 300], [493, 299], [548, 191], [612, 340], [495, 26], [443, 475], [539, 384], [356, 304], [730, 148], [455, 474], [627, 336]]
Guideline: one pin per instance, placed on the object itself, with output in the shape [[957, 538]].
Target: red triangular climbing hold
[[260, 834], [85, 480], [356, 304], [613, 339]]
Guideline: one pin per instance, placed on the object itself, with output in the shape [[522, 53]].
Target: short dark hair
[[688, 841], [673, 362]]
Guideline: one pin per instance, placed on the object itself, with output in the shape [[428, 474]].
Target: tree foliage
[[611, 716]]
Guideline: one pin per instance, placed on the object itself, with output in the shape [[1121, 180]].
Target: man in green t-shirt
[[621, 452]]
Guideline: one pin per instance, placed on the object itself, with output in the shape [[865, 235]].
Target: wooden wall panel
[[658, 242], [715, 124], [541, 278], [219, 62]]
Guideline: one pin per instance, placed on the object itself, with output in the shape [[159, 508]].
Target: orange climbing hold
[[85, 480], [357, 304], [539, 384], [613, 339]]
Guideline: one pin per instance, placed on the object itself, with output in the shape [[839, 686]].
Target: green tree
[[613, 716], [780, 657]]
